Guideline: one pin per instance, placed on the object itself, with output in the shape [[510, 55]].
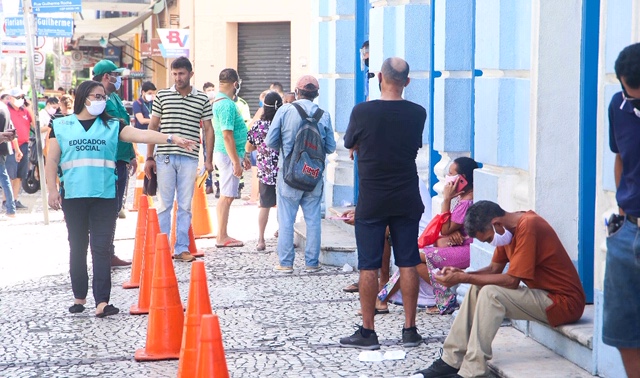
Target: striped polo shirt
[[181, 116]]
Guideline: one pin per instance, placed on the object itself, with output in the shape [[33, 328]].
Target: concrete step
[[518, 356], [572, 341], [337, 246]]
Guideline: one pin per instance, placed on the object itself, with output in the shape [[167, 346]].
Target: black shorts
[[267, 195], [21, 168], [370, 235]]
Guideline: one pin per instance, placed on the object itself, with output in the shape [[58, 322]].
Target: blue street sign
[[59, 6], [55, 6], [54, 27], [45, 27]]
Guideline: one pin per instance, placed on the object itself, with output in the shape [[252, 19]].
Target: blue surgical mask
[[260, 104], [118, 82]]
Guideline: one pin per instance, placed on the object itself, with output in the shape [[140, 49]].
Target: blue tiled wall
[[618, 30]]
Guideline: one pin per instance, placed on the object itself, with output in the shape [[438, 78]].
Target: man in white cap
[[284, 132], [18, 163]]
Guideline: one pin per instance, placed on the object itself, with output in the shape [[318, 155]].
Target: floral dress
[[267, 159], [457, 256]]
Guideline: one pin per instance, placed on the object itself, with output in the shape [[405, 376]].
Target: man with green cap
[[107, 73]]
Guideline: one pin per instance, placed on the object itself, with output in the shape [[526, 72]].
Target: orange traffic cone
[[138, 249], [166, 314], [198, 304], [200, 220], [193, 249], [146, 276], [211, 362]]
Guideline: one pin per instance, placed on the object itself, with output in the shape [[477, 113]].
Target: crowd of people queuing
[[285, 145]]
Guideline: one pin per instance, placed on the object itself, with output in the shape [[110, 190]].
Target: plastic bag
[[432, 232]]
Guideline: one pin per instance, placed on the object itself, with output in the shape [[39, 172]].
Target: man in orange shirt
[[553, 293]]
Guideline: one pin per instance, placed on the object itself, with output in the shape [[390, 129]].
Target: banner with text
[[174, 42]]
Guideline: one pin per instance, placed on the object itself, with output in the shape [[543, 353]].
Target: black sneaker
[[439, 369], [20, 206], [410, 337], [358, 341]]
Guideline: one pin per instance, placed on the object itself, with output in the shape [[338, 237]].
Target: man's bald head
[[395, 71]]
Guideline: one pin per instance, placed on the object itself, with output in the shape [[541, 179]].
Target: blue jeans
[[621, 308], [176, 176], [5, 182], [289, 199]]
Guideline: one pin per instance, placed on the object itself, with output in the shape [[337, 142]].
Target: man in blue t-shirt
[[142, 111], [622, 273]]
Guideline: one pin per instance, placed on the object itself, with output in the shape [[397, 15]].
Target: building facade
[[520, 86]]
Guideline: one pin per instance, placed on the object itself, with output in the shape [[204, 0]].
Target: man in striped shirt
[[178, 111]]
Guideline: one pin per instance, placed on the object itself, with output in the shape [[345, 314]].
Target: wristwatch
[[170, 139]]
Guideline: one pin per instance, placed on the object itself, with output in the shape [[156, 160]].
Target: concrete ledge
[[516, 356], [337, 247]]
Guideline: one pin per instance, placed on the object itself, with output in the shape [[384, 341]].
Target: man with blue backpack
[[303, 134]]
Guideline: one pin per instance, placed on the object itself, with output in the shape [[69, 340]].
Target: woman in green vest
[[84, 146]]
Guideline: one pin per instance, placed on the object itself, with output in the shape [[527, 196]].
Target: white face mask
[[211, 95], [148, 98], [18, 102], [96, 107], [51, 111], [501, 240]]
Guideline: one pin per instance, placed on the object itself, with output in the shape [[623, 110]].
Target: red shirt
[[21, 122], [537, 257]]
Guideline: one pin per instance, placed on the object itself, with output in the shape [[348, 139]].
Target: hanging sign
[[175, 42]]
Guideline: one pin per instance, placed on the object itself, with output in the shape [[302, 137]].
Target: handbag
[[432, 232]]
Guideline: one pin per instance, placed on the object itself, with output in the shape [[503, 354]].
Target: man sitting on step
[[553, 293]]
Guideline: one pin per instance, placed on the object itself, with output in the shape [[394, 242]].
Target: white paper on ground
[[370, 356], [347, 268], [395, 355]]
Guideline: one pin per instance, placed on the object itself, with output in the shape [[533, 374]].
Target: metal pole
[[29, 31]]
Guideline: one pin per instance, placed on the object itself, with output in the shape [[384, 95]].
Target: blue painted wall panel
[[327, 98], [618, 33], [417, 36], [457, 115], [344, 102], [459, 35], [515, 34], [345, 7], [486, 120], [418, 91], [488, 34], [345, 53], [390, 31], [323, 8], [323, 47], [608, 157], [342, 195], [522, 115]]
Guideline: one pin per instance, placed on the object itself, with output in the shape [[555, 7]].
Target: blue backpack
[[303, 167]]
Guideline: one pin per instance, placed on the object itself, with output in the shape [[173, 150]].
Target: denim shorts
[[621, 313], [370, 235]]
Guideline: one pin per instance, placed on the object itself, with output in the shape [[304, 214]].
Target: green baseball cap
[[105, 66]]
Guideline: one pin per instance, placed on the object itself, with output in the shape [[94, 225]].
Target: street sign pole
[[30, 33]]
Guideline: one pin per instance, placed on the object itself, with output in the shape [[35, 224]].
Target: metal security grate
[[264, 56]]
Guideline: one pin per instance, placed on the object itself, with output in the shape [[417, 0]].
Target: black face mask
[[366, 62], [635, 102]]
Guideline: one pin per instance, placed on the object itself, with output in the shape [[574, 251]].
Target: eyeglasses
[[19, 97], [99, 97]]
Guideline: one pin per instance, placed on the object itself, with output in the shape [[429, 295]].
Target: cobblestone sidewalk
[[273, 325]]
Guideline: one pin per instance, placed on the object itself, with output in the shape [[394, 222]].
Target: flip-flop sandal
[[377, 312], [353, 288], [433, 310], [261, 247], [76, 308], [108, 310], [230, 244]]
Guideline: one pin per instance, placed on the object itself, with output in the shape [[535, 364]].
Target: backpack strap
[[316, 116]]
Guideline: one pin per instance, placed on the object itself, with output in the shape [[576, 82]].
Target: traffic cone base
[[198, 304], [166, 313], [193, 249], [211, 361], [138, 249], [146, 276]]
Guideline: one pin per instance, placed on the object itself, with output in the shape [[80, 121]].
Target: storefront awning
[[92, 30]]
